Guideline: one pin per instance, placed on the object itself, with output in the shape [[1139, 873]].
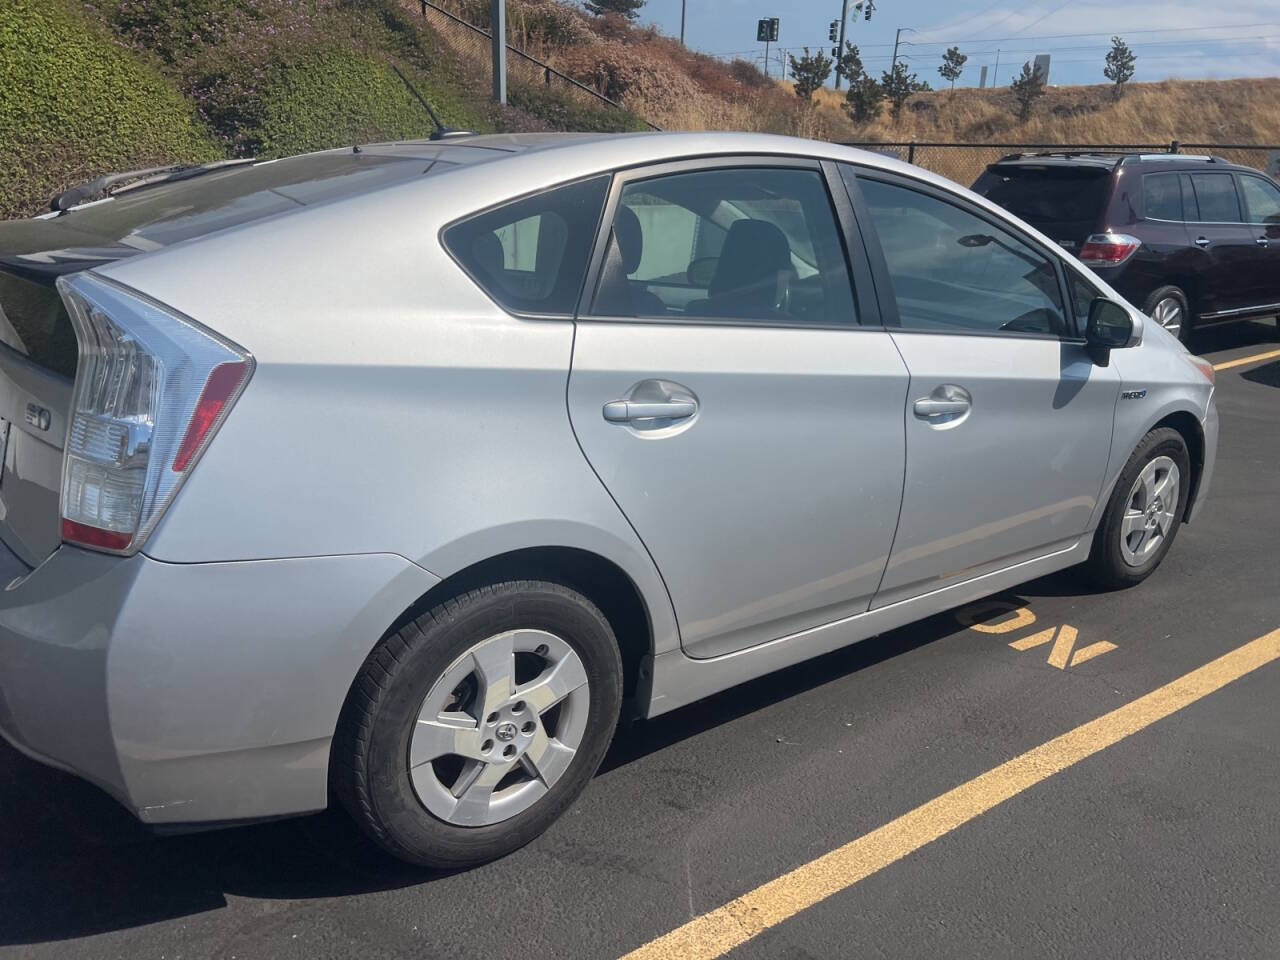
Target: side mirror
[[1110, 327]]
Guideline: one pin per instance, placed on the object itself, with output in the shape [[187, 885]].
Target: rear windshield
[[34, 322], [1064, 202]]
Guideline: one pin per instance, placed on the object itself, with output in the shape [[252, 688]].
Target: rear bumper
[[192, 692]]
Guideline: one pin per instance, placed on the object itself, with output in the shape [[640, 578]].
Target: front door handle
[[929, 407], [1202, 241], [1263, 242], [627, 411]]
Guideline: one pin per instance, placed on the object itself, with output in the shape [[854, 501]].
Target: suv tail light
[[151, 389], [1108, 249]]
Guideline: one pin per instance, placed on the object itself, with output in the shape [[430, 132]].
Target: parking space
[[1161, 842]]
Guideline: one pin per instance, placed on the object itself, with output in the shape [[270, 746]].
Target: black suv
[[1190, 240]]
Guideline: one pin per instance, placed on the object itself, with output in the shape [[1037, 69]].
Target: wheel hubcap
[[499, 728], [1150, 511], [1168, 313]]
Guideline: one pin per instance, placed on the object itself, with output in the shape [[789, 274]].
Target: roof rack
[[1065, 154], [1204, 158]]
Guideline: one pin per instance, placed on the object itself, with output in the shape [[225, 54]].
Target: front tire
[[1168, 306], [473, 727], [1144, 513]]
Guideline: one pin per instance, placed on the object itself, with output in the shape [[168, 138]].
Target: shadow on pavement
[[74, 863]]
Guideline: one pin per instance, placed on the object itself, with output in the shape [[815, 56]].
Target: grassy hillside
[[1207, 111], [74, 104], [87, 88], [90, 86]]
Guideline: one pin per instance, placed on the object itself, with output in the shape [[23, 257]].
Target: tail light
[[1108, 249], [152, 387]]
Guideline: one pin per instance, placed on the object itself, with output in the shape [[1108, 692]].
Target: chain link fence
[[474, 46], [965, 162]]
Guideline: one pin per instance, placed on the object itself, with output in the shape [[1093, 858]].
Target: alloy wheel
[[1168, 313], [1150, 511], [499, 728]]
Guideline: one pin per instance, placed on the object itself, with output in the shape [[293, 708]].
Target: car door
[[1262, 209], [1008, 420], [752, 434], [1227, 244]]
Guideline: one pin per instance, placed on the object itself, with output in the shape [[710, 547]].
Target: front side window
[[953, 271], [531, 255], [1216, 197], [739, 243], [1261, 199], [1161, 197]]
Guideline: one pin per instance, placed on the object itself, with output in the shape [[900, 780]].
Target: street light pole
[[498, 35], [844, 17]]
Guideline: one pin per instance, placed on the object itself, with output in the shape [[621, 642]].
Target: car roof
[[1105, 160], [160, 214]]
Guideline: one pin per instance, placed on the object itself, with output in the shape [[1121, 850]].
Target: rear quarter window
[[1161, 197], [530, 255]]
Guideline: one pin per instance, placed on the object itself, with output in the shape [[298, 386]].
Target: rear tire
[[1169, 307], [1144, 513], [508, 747]]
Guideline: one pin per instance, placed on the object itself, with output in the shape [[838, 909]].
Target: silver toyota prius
[[395, 475]]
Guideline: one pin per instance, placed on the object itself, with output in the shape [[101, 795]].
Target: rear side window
[[1262, 199], [531, 255], [953, 271], [740, 243], [1161, 197], [1216, 196]]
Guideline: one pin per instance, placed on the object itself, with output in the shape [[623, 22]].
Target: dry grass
[[1201, 111]]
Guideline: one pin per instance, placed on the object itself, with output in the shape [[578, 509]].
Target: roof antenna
[[441, 131]]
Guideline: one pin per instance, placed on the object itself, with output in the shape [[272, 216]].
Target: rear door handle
[[1263, 242], [1202, 241], [626, 411], [929, 407]]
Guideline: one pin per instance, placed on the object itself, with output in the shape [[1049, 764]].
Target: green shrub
[[73, 105], [562, 110]]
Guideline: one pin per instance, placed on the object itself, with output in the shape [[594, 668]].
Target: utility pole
[[897, 38], [682, 6], [995, 75], [844, 17], [498, 34]]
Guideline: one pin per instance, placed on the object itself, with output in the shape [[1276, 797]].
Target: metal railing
[[474, 45], [965, 162]]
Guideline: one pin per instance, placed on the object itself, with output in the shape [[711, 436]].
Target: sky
[[1172, 38]]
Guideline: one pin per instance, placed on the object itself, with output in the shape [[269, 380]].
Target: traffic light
[[833, 31], [767, 29], [866, 11]]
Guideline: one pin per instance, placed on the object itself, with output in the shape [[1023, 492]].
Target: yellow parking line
[[716, 933], [1243, 360]]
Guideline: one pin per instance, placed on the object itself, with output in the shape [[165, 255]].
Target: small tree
[[898, 86], [1119, 68], [809, 72], [953, 62], [1027, 89], [865, 97], [627, 8]]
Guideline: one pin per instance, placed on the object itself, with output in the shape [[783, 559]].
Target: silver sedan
[[395, 476]]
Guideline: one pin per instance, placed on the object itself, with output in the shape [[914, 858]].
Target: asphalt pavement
[[1163, 843]]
